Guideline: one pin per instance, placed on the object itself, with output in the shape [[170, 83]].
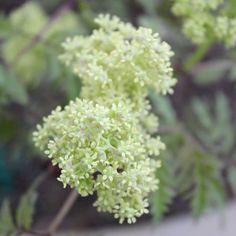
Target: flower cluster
[[208, 20], [120, 60], [102, 142], [27, 21], [101, 149]]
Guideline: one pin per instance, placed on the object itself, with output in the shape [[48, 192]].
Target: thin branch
[[40, 35], [62, 212]]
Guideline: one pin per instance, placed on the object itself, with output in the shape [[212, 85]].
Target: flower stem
[[197, 56], [62, 212]]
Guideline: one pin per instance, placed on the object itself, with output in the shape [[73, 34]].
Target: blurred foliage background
[[197, 123]]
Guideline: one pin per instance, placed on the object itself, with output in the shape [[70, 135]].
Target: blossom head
[[204, 20], [102, 143], [121, 59], [101, 149]]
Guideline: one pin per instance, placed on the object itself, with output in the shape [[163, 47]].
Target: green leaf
[[201, 110], [165, 193], [208, 188], [11, 87], [210, 72], [230, 8], [150, 6], [5, 26], [224, 132], [54, 67], [162, 107], [216, 129], [25, 210], [6, 221]]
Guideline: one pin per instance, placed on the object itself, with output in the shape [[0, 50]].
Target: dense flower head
[[102, 149], [208, 20], [121, 59], [104, 142]]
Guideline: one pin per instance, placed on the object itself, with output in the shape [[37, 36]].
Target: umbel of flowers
[[103, 141], [205, 20]]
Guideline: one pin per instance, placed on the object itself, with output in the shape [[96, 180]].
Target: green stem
[[197, 56]]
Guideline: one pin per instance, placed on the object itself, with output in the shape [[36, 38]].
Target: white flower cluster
[[102, 143], [208, 20], [119, 58], [101, 149]]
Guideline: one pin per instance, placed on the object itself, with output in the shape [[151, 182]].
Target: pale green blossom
[[101, 149], [205, 20], [120, 59], [103, 142]]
